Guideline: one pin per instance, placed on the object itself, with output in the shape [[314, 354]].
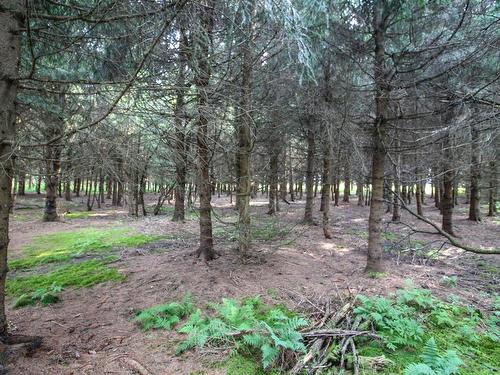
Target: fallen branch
[[338, 333], [451, 239]]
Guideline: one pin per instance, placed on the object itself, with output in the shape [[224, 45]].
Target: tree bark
[[493, 180], [202, 73], [10, 25], [359, 193], [325, 192], [374, 260], [311, 147], [475, 176], [447, 198], [180, 136], [244, 150], [53, 170]]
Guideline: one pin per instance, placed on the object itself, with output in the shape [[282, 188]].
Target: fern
[[394, 321], [433, 363], [245, 324], [165, 316]]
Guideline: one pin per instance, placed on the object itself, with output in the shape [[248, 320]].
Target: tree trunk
[[202, 73], [359, 193], [347, 183], [447, 198], [21, 184], [418, 198], [10, 46], [311, 146], [374, 259], [493, 188], [67, 191], [475, 176], [396, 213], [244, 150], [290, 175], [325, 191], [53, 171], [180, 136]]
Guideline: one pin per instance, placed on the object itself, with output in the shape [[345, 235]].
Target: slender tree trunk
[[244, 150], [290, 174], [311, 146], [396, 213], [447, 199], [53, 165], [67, 191], [336, 192], [359, 193], [493, 188], [418, 198], [202, 73], [493, 180], [325, 192], [10, 35], [180, 136], [375, 251], [347, 182], [21, 189], [475, 176]]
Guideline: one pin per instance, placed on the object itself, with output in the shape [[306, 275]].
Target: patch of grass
[[84, 274], [377, 275], [238, 364], [79, 214], [166, 209], [62, 246], [389, 236], [46, 296], [262, 230]]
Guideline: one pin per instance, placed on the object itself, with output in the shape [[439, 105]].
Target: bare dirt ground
[[92, 330]]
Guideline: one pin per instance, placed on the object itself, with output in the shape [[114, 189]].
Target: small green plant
[[243, 326], [248, 323], [449, 281], [377, 275], [83, 274], [394, 321], [46, 296], [165, 316], [434, 363], [421, 299]]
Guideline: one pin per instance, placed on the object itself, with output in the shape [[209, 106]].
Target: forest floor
[[91, 330]]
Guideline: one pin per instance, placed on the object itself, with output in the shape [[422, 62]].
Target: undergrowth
[[263, 230], [419, 333], [413, 323], [83, 274], [45, 296], [246, 327], [62, 246]]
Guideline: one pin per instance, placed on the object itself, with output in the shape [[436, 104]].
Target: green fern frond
[[418, 369]]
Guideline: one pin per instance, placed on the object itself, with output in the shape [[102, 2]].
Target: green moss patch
[[84, 274], [62, 246]]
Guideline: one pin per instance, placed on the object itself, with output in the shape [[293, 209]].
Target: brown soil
[[91, 331]]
